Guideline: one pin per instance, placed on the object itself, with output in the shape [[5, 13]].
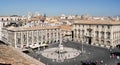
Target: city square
[[98, 55], [60, 32]]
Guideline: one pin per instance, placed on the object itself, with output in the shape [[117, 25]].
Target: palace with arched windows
[[99, 33], [37, 36], [7, 21]]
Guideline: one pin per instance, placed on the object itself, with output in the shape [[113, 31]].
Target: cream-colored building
[[11, 18], [8, 20], [100, 33], [66, 31], [37, 36]]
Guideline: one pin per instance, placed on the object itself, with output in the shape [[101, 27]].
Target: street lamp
[[82, 41], [82, 47]]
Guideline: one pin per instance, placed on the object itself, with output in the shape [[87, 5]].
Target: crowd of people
[[92, 62]]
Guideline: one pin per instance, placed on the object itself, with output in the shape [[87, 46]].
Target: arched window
[[24, 37], [30, 39], [82, 32], [96, 33], [11, 19], [39, 37], [97, 26], [35, 38], [102, 26], [79, 30], [102, 41], [108, 26], [102, 34], [43, 37], [54, 33], [108, 43], [75, 30], [2, 19], [3, 24], [79, 33], [18, 40], [83, 26], [97, 41], [51, 33], [108, 35], [7, 19]]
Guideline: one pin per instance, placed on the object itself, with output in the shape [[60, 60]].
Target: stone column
[[41, 36], [74, 38], [80, 35], [15, 39], [37, 37], [74, 27], [105, 36], [49, 36], [57, 34], [60, 37], [32, 38], [21, 39], [111, 36], [94, 39], [53, 35], [99, 36], [46, 35], [27, 39], [77, 35]]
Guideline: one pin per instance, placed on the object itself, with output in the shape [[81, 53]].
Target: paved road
[[92, 54]]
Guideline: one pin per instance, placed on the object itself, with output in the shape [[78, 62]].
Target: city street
[[98, 55]]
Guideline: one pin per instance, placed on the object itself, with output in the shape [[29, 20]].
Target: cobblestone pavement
[[91, 54]]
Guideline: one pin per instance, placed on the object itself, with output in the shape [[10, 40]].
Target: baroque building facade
[[7, 21], [99, 33], [37, 36], [66, 31]]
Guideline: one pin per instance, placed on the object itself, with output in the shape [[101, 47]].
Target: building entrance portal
[[89, 40]]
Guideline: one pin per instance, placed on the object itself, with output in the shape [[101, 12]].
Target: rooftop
[[66, 27], [31, 28], [10, 55], [97, 22]]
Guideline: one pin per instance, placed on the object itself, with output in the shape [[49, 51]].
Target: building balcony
[[102, 38], [96, 29], [108, 39], [108, 30], [97, 37], [102, 29]]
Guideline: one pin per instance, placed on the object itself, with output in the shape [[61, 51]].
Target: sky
[[58, 7]]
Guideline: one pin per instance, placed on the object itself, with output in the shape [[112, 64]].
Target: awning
[[37, 45]]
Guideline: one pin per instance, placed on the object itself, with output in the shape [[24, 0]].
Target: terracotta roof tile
[[31, 28], [66, 27], [13, 56], [96, 22]]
